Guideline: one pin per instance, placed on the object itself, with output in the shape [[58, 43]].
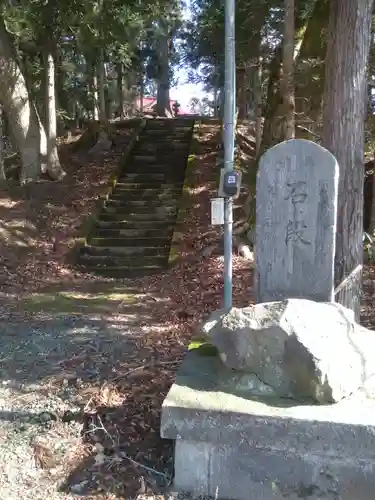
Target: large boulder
[[299, 347]]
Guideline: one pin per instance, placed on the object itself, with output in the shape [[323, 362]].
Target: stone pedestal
[[232, 445]]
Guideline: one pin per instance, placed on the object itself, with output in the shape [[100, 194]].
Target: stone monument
[[296, 211], [286, 409]]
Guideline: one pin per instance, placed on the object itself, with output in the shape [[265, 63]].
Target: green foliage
[[259, 29], [202, 348], [77, 33]]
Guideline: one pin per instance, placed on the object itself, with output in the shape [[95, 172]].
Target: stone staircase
[[133, 232]]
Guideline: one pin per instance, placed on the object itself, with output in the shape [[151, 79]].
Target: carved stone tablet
[[296, 211]]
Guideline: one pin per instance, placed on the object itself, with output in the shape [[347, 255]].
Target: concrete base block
[[252, 474], [232, 446]]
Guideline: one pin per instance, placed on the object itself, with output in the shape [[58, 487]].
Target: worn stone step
[[162, 157], [153, 184], [146, 194], [165, 168], [164, 172], [132, 225], [166, 132], [161, 147], [186, 127], [131, 233], [162, 137], [123, 272], [151, 219], [148, 178], [165, 141], [137, 200], [129, 208], [151, 175], [142, 206], [123, 260], [103, 251], [162, 242], [177, 167]]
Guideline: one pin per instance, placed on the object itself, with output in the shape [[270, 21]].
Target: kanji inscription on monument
[[296, 212]]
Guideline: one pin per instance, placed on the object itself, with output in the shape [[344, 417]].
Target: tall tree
[[288, 70], [163, 43], [27, 128], [49, 30], [349, 36]]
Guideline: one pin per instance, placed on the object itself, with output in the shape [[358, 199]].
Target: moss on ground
[[75, 302], [186, 201]]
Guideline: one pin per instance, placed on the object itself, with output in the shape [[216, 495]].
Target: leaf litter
[[90, 427]]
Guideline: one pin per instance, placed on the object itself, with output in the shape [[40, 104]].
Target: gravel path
[[44, 369]]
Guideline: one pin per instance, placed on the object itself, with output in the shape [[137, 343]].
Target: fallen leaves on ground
[[121, 454], [175, 302], [38, 223]]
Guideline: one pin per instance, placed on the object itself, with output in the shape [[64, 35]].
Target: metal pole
[[229, 132]]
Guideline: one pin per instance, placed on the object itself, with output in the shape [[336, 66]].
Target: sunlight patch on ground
[[107, 296], [197, 190], [77, 302], [18, 233], [7, 203]]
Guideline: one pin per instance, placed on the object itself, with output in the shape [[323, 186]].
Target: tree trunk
[[258, 105], [241, 92], [27, 129], [348, 46], [2, 152], [120, 89], [141, 92], [371, 228], [163, 107], [94, 93], [215, 102], [102, 100], [53, 162], [271, 133], [288, 71], [274, 112]]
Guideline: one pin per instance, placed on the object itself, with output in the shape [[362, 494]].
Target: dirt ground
[[86, 362]]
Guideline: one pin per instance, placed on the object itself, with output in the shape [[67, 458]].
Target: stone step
[[103, 251], [140, 206], [165, 158], [165, 132], [124, 260], [130, 209], [166, 168], [160, 185], [151, 177], [161, 172], [150, 219], [161, 137], [161, 147], [141, 226], [162, 242], [152, 174], [165, 126], [165, 142], [166, 150], [131, 233], [146, 194], [123, 272]]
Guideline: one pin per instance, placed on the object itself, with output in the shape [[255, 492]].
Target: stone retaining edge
[[90, 221], [183, 205]]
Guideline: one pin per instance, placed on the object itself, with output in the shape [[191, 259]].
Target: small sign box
[[230, 184], [217, 211]]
